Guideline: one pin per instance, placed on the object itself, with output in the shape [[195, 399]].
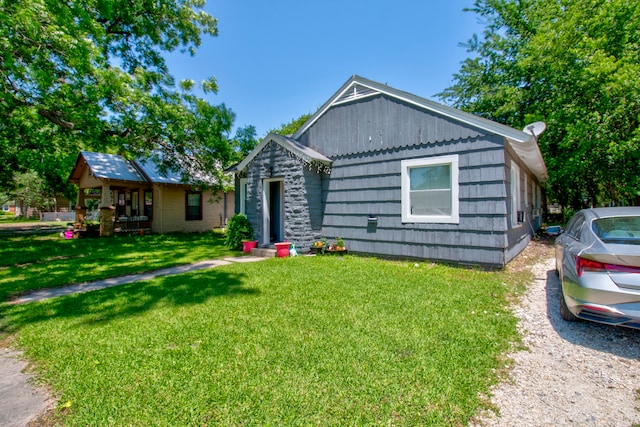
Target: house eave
[[529, 153], [306, 154]]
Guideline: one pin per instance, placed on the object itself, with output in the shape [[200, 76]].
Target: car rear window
[[623, 229]]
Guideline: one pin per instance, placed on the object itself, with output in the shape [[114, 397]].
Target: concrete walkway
[[43, 294], [20, 401]]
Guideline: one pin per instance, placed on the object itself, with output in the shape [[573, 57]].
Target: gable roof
[[107, 166], [153, 174], [304, 153], [116, 168], [525, 145]]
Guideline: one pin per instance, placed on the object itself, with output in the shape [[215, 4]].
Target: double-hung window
[[516, 201], [193, 206], [430, 190]]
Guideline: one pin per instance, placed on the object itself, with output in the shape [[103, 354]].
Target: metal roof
[[116, 168], [152, 172], [112, 166]]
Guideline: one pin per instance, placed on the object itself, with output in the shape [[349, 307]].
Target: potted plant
[[319, 246], [239, 232], [340, 244], [282, 249]]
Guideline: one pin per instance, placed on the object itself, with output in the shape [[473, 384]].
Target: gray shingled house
[[396, 175]]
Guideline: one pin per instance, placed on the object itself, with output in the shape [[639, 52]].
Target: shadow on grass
[[51, 262], [130, 300]]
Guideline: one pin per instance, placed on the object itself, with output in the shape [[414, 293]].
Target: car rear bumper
[[598, 308]]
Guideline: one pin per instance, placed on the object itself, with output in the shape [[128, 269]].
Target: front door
[[273, 213]]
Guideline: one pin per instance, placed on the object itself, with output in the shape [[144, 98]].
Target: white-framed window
[[516, 204], [430, 190], [243, 195]]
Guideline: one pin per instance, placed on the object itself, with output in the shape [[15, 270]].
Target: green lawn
[[300, 341], [49, 261]]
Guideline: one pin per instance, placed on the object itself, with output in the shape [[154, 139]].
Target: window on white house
[[148, 203], [430, 190], [193, 206], [516, 204]]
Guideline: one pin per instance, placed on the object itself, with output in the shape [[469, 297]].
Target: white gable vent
[[354, 92]]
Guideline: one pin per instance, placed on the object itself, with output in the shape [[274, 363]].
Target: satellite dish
[[535, 129]]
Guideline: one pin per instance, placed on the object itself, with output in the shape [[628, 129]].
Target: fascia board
[[287, 145]]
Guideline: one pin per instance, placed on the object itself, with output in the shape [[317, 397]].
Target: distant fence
[[57, 216]]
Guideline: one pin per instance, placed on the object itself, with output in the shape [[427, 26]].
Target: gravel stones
[[580, 373]]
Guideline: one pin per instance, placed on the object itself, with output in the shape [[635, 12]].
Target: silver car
[[598, 262]]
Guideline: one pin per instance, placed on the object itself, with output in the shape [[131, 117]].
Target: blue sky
[[276, 60]]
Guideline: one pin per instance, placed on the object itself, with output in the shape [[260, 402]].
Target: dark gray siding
[[365, 181], [302, 195], [380, 123], [519, 236], [369, 185], [367, 140]]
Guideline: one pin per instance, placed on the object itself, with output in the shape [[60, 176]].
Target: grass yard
[[49, 261], [301, 341]]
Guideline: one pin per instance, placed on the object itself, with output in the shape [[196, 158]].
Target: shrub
[[238, 229]]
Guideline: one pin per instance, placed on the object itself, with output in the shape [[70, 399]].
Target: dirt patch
[[540, 248]]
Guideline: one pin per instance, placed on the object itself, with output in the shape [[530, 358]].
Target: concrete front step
[[263, 252]]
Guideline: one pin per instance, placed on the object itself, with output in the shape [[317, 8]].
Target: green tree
[[90, 74], [575, 65], [291, 127], [30, 190], [244, 141]]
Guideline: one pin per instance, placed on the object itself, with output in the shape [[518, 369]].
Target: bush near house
[[238, 229]]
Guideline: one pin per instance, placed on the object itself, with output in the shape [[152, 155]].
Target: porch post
[[81, 209], [106, 212]]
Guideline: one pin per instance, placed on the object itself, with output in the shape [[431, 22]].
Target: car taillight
[[583, 264]]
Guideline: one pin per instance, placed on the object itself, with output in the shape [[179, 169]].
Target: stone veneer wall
[[302, 195]]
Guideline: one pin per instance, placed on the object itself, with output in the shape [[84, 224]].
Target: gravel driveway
[[568, 374]]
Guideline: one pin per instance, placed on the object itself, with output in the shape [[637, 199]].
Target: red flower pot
[[248, 245], [282, 249]]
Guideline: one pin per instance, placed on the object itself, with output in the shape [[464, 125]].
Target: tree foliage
[[30, 190], [244, 141], [291, 127], [575, 65], [90, 74]]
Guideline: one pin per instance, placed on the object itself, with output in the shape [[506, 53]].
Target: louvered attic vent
[[354, 92]]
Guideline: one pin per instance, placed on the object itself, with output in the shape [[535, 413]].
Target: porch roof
[[306, 154], [113, 167], [106, 166]]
